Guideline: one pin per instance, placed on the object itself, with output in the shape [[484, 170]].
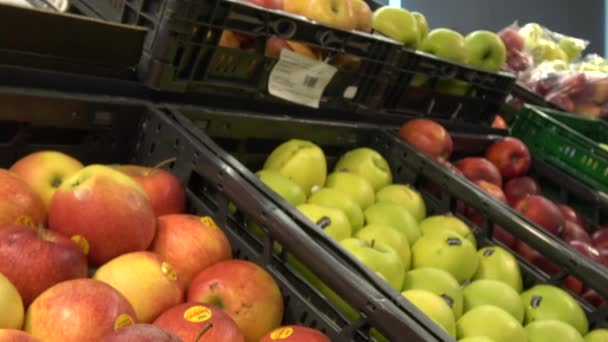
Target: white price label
[[300, 79]]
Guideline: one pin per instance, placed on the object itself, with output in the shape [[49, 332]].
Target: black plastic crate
[[244, 140], [110, 130]]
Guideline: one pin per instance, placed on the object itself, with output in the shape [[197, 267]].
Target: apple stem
[[373, 243], [206, 328], [164, 162]]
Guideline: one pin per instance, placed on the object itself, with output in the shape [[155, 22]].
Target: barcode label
[[299, 79]]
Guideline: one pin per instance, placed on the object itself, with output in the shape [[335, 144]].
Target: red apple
[[500, 234], [518, 62], [499, 122], [513, 41], [511, 157], [547, 84], [475, 168], [12, 335], [163, 188], [543, 212], [535, 258], [188, 320], [78, 310], [34, 259], [587, 250], [603, 256], [573, 231], [108, 208], [600, 238], [491, 189], [520, 187], [236, 284], [429, 137], [336, 13], [594, 298], [574, 84], [19, 204], [571, 215], [190, 243], [141, 332], [295, 333], [562, 100]]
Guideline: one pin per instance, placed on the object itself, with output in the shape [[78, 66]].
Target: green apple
[[493, 292], [333, 221], [445, 43], [406, 196], [332, 198], [604, 146], [395, 216], [440, 283], [433, 224], [380, 258], [452, 87], [552, 331], [448, 251], [367, 163], [497, 263], [434, 307], [289, 190], [300, 160], [355, 186], [398, 24], [476, 339], [573, 47], [486, 50], [597, 335], [492, 322], [548, 302], [423, 25], [389, 236]]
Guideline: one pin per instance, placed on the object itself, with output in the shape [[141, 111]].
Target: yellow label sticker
[[281, 333], [168, 270], [123, 320], [197, 314], [82, 242], [25, 220], [208, 221]]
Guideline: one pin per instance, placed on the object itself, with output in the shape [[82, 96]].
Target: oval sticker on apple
[[281, 333], [447, 299], [488, 252], [535, 301], [197, 314], [454, 241], [323, 222]]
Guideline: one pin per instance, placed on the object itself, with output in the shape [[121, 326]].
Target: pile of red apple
[[108, 253], [502, 172]]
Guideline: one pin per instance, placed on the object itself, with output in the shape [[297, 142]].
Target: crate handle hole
[[284, 28]]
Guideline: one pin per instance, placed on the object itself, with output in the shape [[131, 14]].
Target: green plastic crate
[[567, 141]]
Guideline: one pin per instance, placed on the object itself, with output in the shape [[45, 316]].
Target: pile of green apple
[[474, 293]]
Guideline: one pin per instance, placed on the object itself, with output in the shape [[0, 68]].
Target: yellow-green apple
[[448, 251], [395, 216], [275, 45], [300, 160], [295, 333], [389, 236], [143, 332], [199, 322], [333, 221], [232, 285], [78, 310], [397, 23], [19, 204], [520, 187], [532, 34], [476, 339], [429, 137], [552, 330], [354, 185], [367, 163], [44, 171], [14, 335], [492, 322], [434, 307], [36, 259], [493, 292], [336, 13], [164, 189], [572, 47], [543, 212], [597, 335], [406, 196], [287, 189], [436, 223], [548, 302], [511, 156], [11, 304], [423, 25], [379, 257], [440, 283], [332, 198], [447, 44], [190, 244], [147, 281], [513, 41], [362, 14], [496, 263], [106, 207], [477, 168], [589, 110], [486, 50]]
